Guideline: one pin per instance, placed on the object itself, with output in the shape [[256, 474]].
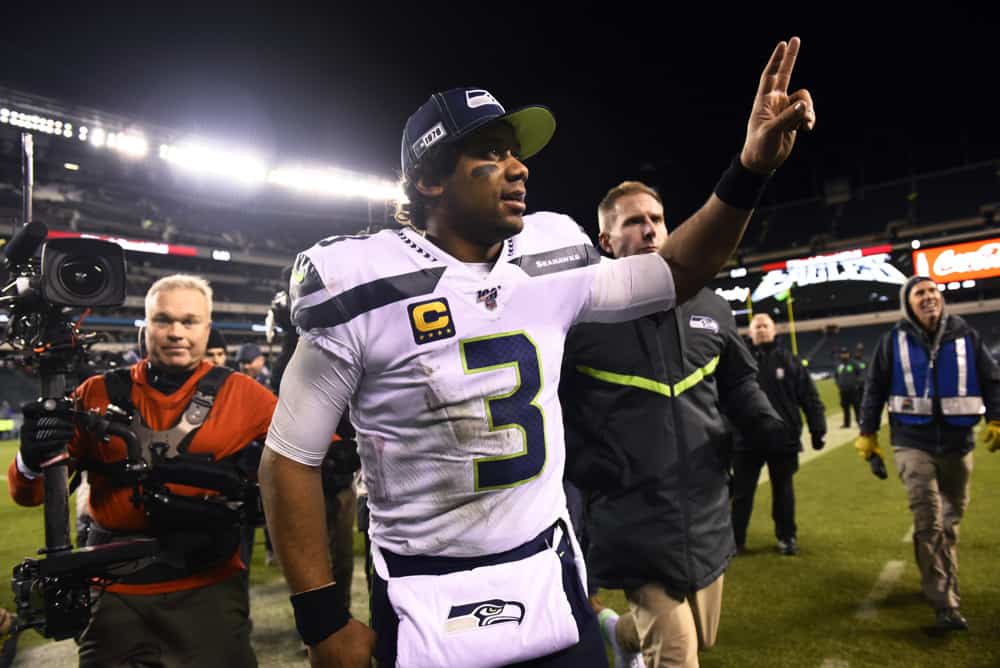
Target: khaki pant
[[206, 627], [669, 632], [938, 490]]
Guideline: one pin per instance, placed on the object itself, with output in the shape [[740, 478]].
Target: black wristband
[[739, 187], [319, 613]]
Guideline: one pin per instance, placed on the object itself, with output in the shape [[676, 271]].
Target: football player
[[445, 338]]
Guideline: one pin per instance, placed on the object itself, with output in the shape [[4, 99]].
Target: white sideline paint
[[834, 663], [835, 438], [886, 579], [908, 538]]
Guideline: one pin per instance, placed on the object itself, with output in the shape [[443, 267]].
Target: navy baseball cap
[[248, 353], [449, 116]]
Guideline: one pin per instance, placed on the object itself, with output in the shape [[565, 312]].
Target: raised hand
[[777, 115]]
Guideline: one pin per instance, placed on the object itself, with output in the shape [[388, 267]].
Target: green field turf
[[803, 611], [785, 611], [22, 533]]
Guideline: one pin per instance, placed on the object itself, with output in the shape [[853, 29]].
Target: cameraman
[[190, 606]]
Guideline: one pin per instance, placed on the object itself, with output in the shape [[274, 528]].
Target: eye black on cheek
[[484, 170]]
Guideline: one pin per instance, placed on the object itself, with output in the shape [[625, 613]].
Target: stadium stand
[[16, 386], [240, 237]]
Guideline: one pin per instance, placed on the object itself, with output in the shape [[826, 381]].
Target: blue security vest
[[955, 385]]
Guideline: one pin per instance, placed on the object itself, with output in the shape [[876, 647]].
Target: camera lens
[[82, 276]]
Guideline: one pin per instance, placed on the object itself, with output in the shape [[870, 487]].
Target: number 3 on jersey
[[515, 410]]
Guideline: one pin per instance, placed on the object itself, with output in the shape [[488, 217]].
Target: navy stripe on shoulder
[[561, 259], [367, 297]]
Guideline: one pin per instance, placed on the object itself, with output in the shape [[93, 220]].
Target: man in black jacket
[[938, 378], [850, 377], [789, 387], [646, 443]]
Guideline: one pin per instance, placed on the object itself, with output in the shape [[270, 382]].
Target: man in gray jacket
[[646, 443]]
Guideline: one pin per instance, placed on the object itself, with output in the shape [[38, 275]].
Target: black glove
[[282, 308], [339, 465], [817, 441], [878, 467], [48, 427]]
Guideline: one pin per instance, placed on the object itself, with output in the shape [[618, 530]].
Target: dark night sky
[[637, 93]]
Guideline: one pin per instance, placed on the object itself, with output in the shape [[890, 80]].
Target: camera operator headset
[[190, 418]]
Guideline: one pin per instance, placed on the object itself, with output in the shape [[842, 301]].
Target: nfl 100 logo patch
[[488, 297]]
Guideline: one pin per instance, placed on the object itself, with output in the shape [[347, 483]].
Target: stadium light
[[334, 183], [969, 283], [915, 244], [243, 166], [739, 272], [199, 158], [43, 124], [71, 166], [129, 143]]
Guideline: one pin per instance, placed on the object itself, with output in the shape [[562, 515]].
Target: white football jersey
[[458, 420]]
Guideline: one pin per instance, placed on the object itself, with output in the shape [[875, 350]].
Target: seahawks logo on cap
[[477, 97], [484, 613]]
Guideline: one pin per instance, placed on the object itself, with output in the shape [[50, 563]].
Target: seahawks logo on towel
[[484, 613], [704, 322]]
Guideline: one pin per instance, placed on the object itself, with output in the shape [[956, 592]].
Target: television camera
[[52, 593]]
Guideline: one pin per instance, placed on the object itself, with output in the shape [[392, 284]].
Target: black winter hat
[[215, 339]]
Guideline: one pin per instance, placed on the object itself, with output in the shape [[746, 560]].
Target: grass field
[[804, 611], [787, 611]]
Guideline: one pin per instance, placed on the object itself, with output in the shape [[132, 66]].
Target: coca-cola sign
[[975, 259]]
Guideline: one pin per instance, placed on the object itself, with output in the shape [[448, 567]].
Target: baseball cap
[[449, 116], [248, 353]]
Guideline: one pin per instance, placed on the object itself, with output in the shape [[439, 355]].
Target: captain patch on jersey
[[431, 320]]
